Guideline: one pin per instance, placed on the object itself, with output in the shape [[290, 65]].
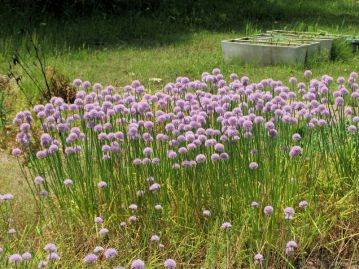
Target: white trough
[[264, 52]]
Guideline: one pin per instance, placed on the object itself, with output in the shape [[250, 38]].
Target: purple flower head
[[206, 213], [102, 184], [200, 158], [296, 137], [352, 129], [15, 258], [133, 207], [50, 247], [42, 264], [258, 257], [226, 225], [303, 204], [170, 264], [254, 204], [110, 253], [289, 213], [98, 220], [268, 210], [68, 182], [103, 231], [147, 151], [90, 259], [26, 256], [295, 151], [155, 237], [52, 256], [77, 82], [98, 249], [137, 264], [308, 73], [158, 207], [154, 187], [132, 219], [16, 152], [253, 165]]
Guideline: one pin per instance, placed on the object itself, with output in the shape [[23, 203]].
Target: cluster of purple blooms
[[188, 124]]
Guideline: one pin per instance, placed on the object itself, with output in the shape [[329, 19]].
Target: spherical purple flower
[[133, 207], [226, 225], [268, 210], [296, 137], [258, 257], [303, 204], [137, 264], [42, 264], [308, 73], [53, 256], [289, 213], [98, 249], [158, 207], [200, 158], [154, 187], [103, 231], [16, 152], [206, 213], [132, 219], [110, 253], [295, 151], [219, 147], [26, 256], [50, 247], [44, 193], [90, 259], [77, 82], [98, 220], [290, 247], [253, 165], [352, 129], [147, 151], [155, 237], [102, 184], [170, 264], [15, 258], [254, 204], [68, 182]]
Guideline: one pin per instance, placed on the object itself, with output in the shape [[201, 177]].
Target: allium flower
[[258, 257], [226, 225], [98, 220], [132, 219], [38, 180], [137, 264], [296, 137], [44, 193], [289, 213], [155, 237], [102, 184], [303, 204], [50, 248], [161, 246], [42, 264], [26, 256], [158, 207], [133, 207], [68, 182], [53, 256], [15, 258], [200, 158], [147, 151], [268, 210], [98, 249], [308, 73], [154, 187], [295, 151], [206, 213], [253, 165], [170, 264], [16, 152], [254, 204], [91, 258], [110, 253], [290, 248], [352, 129], [103, 231], [77, 82]]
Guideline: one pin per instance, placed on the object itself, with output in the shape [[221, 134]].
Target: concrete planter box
[[325, 40], [265, 52]]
